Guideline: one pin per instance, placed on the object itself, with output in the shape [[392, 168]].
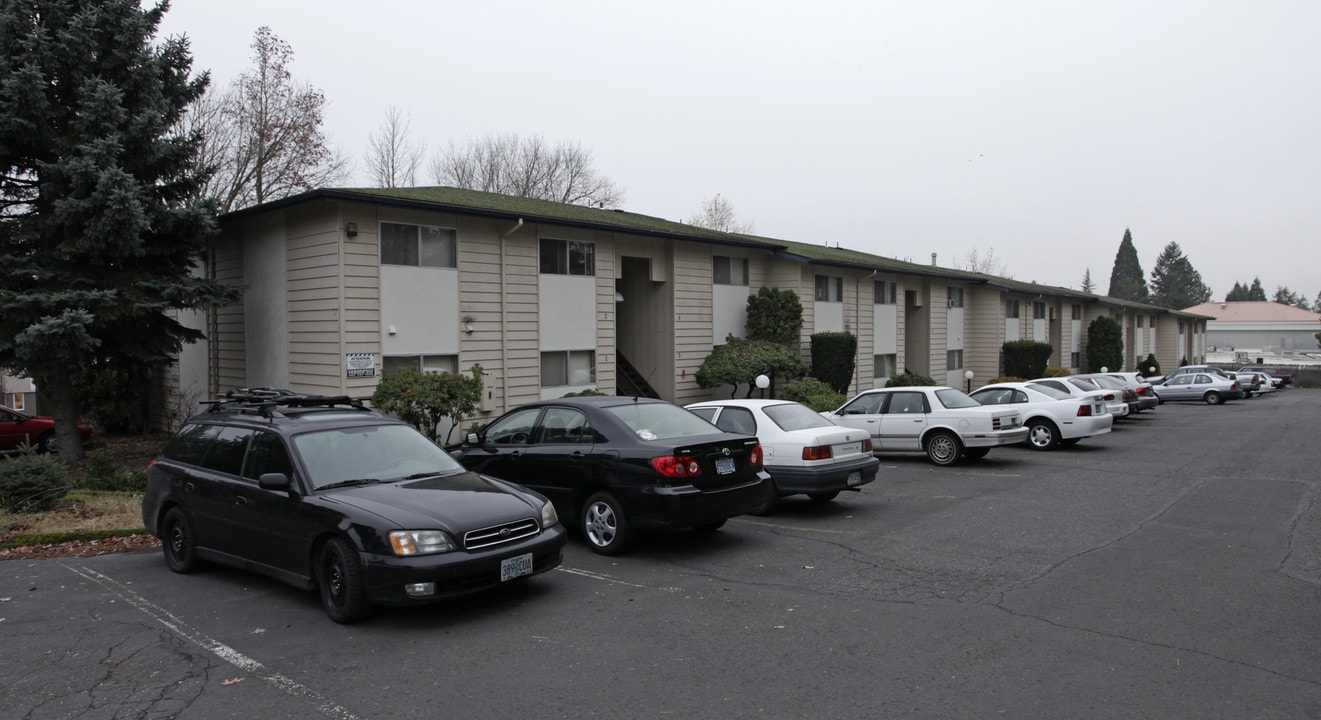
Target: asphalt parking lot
[[1171, 569]]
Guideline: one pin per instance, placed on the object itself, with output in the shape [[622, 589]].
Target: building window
[[418, 245], [887, 292], [884, 366], [1039, 310], [1011, 308], [729, 270], [1140, 317], [829, 288], [567, 257], [953, 359], [560, 368], [1075, 313], [422, 363], [1075, 360], [956, 297]]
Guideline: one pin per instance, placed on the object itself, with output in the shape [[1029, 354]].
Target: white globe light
[[763, 382]]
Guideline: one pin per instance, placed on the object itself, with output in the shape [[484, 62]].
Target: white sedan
[[1053, 417], [1081, 388], [940, 421], [804, 452]]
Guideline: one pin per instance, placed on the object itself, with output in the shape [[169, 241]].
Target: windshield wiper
[[347, 483]]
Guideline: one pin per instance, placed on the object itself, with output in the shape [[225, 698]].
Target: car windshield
[[1048, 390], [370, 452], [792, 416], [661, 421], [951, 398]]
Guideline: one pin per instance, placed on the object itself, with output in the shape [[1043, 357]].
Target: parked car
[[1208, 387], [1249, 383], [617, 465], [805, 453], [940, 421], [1265, 383], [1053, 417], [1127, 394], [1139, 384], [324, 493], [1078, 387], [18, 429], [1279, 378], [1186, 369]]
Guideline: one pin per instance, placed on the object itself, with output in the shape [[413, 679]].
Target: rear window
[[661, 421], [952, 399], [792, 416], [1056, 393], [191, 443]]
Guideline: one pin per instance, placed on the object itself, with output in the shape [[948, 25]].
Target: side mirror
[[275, 481], [473, 439]]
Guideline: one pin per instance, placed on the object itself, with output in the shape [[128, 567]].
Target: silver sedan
[[1211, 389]]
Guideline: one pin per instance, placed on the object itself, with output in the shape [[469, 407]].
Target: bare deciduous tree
[[393, 158], [987, 264], [263, 134], [718, 214], [526, 167]]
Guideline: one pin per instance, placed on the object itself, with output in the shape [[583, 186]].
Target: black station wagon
[[324, 493], [617, 465]]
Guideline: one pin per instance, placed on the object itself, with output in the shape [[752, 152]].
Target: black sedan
[[323, 493], [617, 465]]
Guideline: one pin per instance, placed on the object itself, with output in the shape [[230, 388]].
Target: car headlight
[[548, 515], [420, 542]]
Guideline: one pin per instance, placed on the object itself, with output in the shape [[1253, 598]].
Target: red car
[[17, 428]]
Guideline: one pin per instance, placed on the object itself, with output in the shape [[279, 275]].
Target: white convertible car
[[940, 421]]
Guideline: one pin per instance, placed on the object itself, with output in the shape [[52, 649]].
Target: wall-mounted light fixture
[[467, 324], [351, 229]]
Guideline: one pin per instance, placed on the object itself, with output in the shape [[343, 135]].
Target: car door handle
[[576, 455], [187, 487], [240, 500]]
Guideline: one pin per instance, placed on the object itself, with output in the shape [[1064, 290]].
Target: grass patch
[[82, 515]]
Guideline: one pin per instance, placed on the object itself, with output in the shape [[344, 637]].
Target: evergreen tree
[[99, 231], [1105, 345], [1127, 281], [1087, 285], [1175, 284], [1239, 293], [1285, 296], [1257, 292]]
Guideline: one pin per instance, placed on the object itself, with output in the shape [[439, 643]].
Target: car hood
[[456, 503]]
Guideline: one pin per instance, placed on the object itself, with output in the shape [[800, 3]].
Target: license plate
[[855, 478], [517, 566], [724, 466], [848, 449]]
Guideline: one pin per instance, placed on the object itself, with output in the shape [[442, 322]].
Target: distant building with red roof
[[1259, 325]]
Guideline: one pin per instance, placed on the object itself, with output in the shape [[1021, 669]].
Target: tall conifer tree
[[1175, 284], [1127, 281]]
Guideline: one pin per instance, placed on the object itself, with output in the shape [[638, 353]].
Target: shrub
[[910, 380], [776, 316], [1149, 367], [1005, 378], [589, 392], [32, 483], [424, 399], [1026, 358], [740, 361], [1105, 344], [1057, 372], [833, 356], [813, 393]]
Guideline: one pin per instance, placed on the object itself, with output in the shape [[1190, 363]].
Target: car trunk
[[724, 460]]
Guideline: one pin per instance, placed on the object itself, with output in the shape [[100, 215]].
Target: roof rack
[[264, 400]]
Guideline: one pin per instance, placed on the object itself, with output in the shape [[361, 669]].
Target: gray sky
[[1038, 130]]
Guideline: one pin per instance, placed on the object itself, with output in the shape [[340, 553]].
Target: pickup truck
[[1280, 377]]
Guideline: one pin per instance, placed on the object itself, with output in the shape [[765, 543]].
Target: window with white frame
[[887, 292], [567, 257], [560, 368], [953, 359], [422, 363], [1039, 311], [1011, 308], [1075, 359], [829, 288], [884, 366], [955, 297], [418, 245], [1140, 318], [729, 270]]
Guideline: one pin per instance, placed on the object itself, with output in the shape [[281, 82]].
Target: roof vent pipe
[[933, 259]]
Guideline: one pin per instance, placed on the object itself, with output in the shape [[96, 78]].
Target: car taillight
[[817, 453], [676, 466], [1084, 411], [754, 456], [1109, 397], [1233, 386], [1142, 391], [866, 445]]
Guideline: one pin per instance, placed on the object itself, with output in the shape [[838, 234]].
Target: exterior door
[[902, 420]]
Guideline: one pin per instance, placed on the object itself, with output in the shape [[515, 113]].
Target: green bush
[[423, 400], [1057, 372], [833, 356], [1005, 379], [32, 483], [813, 393], [775, 315], [1149, 367], [740, 361], [1105, 345], [1026, 358], [910, 380], [589, 392]]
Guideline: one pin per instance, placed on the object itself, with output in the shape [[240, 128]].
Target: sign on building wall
[[357, 365]]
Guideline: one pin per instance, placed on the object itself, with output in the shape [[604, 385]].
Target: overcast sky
[[1036, 130]]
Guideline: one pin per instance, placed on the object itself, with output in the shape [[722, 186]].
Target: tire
[[975, 453], [604, 526], [1042, 434], [943, 448], [1213, 398], [823, 497], [48, 444], [339, 581], [179, 543], [771, 505], [707, 528]]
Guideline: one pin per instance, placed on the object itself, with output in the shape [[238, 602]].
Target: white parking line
[[596, 576], [219, 649]]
